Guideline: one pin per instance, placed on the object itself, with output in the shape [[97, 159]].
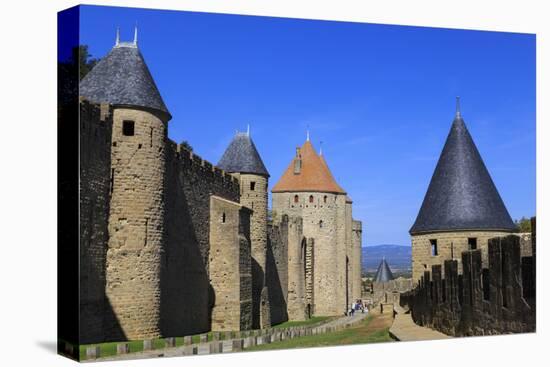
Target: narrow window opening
[[433, 244], [128, 128], [311, 198], [252, 185], [151, 137], [472, 243], [320, 224], [146, 230], [223, 217], [296, 198], [112, 179], [325, 199]]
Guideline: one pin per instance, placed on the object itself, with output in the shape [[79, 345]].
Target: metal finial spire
[[307, 134], [117, 40], [458, 106], [135, 34], [248, 130]]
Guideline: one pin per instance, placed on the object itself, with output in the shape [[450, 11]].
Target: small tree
[[524, 224], [85, 60]]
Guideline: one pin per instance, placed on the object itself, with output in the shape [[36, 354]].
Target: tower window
[[223, 217], [433, 244], [296, 198], [325, 199], [311, 198], [252, 185], [320, 224], [128, 128], [472, 243]]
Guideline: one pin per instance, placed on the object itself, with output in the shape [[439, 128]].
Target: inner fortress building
[[173, 245], [308, 190]]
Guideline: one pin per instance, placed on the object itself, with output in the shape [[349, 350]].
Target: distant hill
[[397, 256]]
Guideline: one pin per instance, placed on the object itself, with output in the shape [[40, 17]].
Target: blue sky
[[380, 98]]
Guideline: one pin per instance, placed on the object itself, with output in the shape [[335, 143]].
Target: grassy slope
[[311, 321], [373, 329]]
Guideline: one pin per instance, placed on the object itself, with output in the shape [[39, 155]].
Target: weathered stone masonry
[[95, 163], [187, 295]]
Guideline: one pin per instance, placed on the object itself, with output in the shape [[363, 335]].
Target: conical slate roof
[[314, 174], [461, 194], [243, 157], [123, 78], [383, 274]]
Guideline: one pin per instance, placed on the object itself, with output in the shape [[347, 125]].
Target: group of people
[[358, 305]]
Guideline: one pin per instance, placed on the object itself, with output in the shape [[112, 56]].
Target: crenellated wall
[[483, 299], [449, 246], [95, 162], [186, 291]]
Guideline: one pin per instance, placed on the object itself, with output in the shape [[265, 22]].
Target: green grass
[[365, 332], [312, 321]]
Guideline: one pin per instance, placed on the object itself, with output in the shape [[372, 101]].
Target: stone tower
[[462, 208], [136, 220], [242, 160], [307, 189]]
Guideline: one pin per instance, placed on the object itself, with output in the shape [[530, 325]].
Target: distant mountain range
[[397, 256]]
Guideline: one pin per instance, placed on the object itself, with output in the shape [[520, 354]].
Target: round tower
[[136, 220], [462, 208], [242, 160]]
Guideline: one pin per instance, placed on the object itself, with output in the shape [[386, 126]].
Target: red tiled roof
[[314, 174]]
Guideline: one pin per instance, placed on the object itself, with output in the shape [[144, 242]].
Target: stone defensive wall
[[182, 269], [230, 265], [95, 166], [186, 295], [496, 299]]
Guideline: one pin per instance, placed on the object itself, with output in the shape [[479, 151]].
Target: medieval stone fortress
[[173, 245]]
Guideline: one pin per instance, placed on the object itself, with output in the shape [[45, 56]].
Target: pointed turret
[[383, 274], [122, 78], [308, 172], [241, 156], [461, 194]]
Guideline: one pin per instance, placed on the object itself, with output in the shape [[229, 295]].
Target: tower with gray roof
[[462, 208], [242, 160], [137, 207]]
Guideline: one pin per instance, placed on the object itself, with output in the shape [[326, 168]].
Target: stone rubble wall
[[481, 300], [187, 294], [230, 265], [324, 221], [277, 269], [355, 259], [449, 246], [255, 198], [136, 223], [95, 162]]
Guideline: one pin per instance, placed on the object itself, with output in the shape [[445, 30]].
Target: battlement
[[496, 299], [193, 162]]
